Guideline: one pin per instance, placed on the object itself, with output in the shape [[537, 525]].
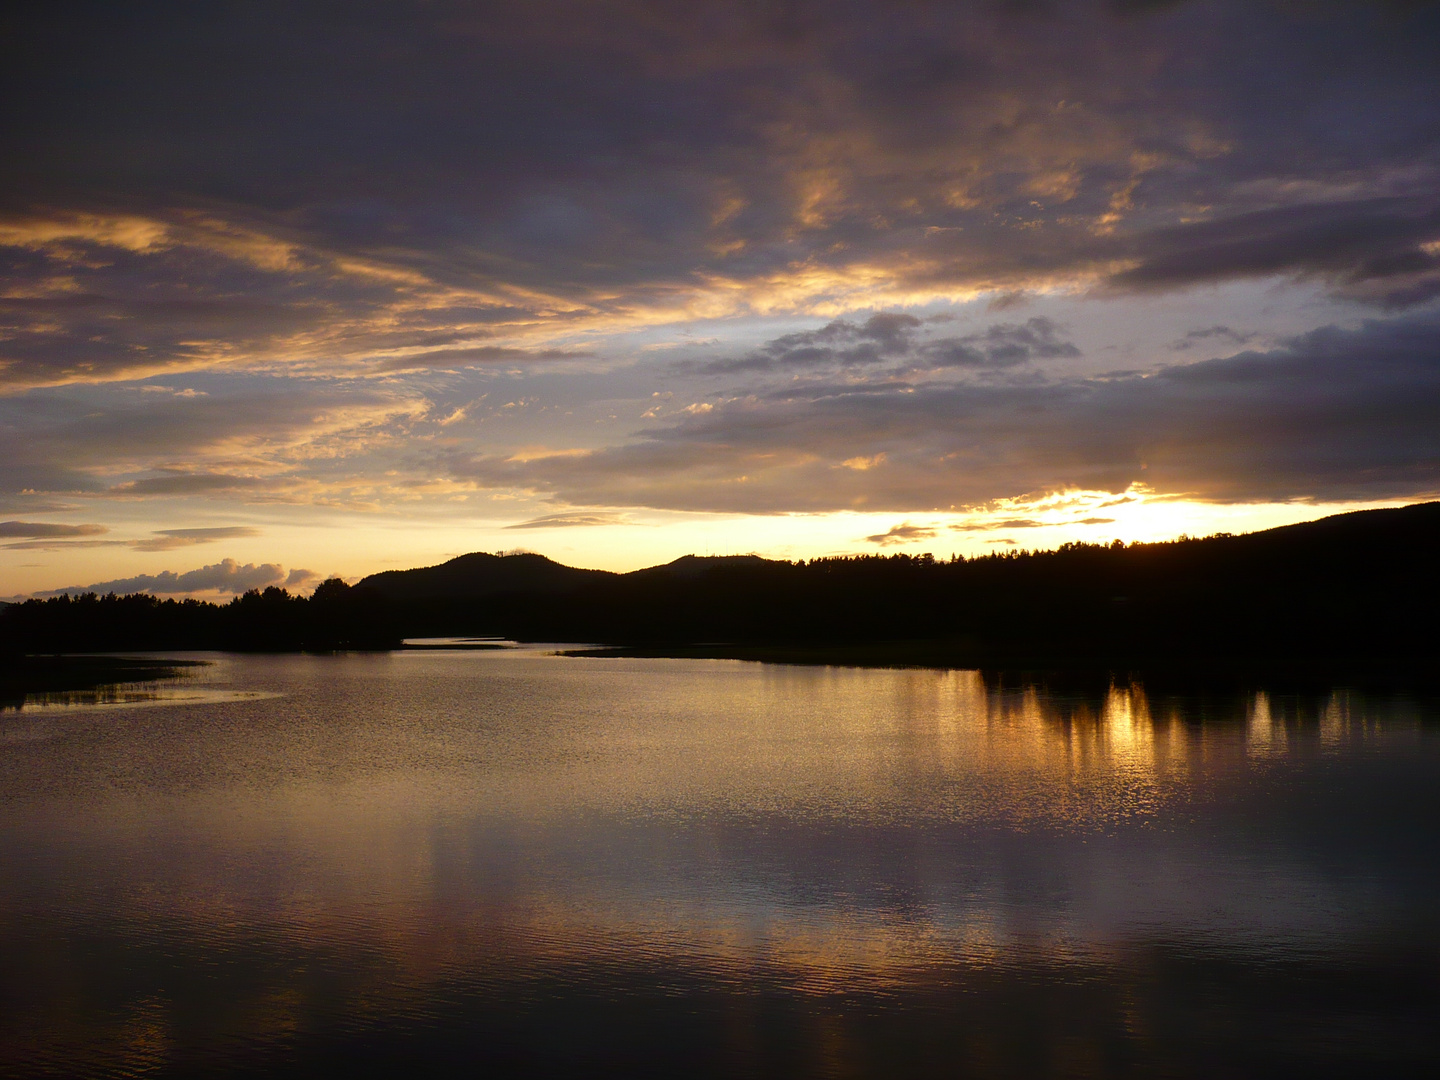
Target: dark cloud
[[1214, 336], [61, 545], [109, 296], [881, 337], [901, 534], [1013, 298], [893, 337], [192, 185], [1002, 345], [205, 536], [451, 359], [86, 337], [566, 521], [169, 539], [226, 576], [1374, 249], [314, 218], [36, 530], [49, 536], [31, 503], [59, 537], [238, 436], [1003, 523], [188, 483], [1024, 523], [1335, 414]]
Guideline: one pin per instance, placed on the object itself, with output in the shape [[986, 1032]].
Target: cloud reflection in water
[[521, 859]]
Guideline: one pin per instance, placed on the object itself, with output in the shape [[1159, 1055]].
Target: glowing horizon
[[622, 543]]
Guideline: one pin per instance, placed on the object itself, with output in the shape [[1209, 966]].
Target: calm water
[[511, 860]]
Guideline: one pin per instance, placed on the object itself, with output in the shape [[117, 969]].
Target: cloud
[[226, 576], [1220, 336], [451, 359], [56, 537], [1002, 345], [882, 336], [187, 483], [84, 304], [565, 521], [1003, 523], [248, 437], [169, 539], [42, 530], [901, 534], [1024, 523], [326, 264], [1374, 249], [893, 337], [59, 545], [1334, 414], [454, 173], [91, 336]]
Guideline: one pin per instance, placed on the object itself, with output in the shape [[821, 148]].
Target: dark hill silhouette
[[481, 576], [1359, 585], [1359, 589], [478, 576], [693, 566]]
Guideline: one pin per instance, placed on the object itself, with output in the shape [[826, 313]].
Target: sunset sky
[[300, 289]]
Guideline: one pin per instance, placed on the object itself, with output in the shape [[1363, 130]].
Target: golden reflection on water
[[432, 819]]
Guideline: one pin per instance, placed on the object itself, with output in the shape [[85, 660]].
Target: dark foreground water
[[515, 862]]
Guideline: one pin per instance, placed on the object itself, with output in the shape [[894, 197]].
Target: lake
[[511, 861]]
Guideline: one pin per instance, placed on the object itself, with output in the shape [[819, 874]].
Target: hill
[[479, 576], [482, 576], [1353, 589], [1359, 585]]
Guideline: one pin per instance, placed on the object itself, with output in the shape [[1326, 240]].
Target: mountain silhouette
[[478, 576], [1354, 589]]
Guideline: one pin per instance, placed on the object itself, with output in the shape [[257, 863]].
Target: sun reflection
[[1264, 735], [1330, 724], [1334, 722]]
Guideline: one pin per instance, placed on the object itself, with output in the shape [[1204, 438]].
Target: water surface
[[510, 860]]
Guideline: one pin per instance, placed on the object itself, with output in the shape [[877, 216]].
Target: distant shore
[[1356, 592], [22, 677], [1189, 672]]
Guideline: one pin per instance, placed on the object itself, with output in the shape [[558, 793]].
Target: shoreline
[[1213, 671]]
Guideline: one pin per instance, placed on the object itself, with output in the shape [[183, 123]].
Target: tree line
[[271, 620], [1354, 586]]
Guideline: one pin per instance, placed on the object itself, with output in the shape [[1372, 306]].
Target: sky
[[291, 290]]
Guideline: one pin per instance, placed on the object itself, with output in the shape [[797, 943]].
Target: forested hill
[[1350, 587], [1361, 584], [479, 575]]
